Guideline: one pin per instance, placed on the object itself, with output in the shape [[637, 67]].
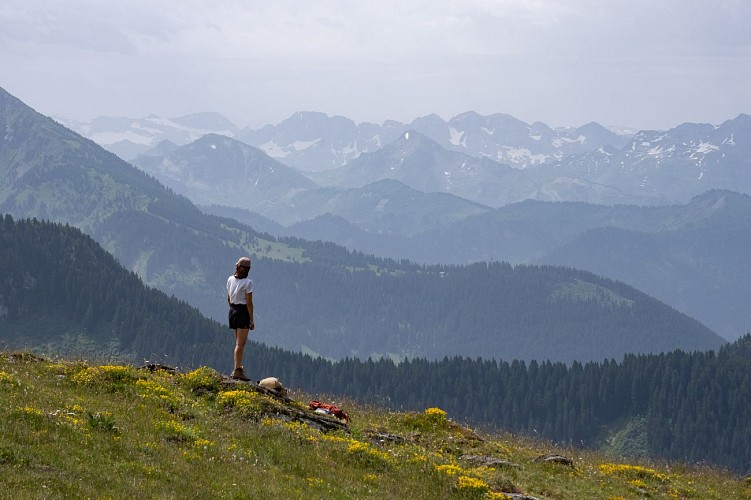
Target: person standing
[[240, 300]]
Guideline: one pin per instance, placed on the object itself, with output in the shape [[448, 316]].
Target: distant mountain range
[[588, 163], [493, 160], [318, 297], [424, 165], [313, 141], [670, 166], [217, 169], [652, 168], [129, 137]]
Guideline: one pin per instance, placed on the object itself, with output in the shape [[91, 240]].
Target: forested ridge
[[689, 407], [59, 289], [527, 312], [339, 303]]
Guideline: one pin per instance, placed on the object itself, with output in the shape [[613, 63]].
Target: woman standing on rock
[[240, 300]]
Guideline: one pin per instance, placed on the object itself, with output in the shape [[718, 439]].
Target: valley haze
[[451, 192], [317, 297]]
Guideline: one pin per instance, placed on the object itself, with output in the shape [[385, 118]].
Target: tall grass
[[74, 430]]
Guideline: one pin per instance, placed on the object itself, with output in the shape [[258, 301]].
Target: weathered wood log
[[289, 412]]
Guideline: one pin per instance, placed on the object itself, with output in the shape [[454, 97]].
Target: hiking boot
[[239, 374]]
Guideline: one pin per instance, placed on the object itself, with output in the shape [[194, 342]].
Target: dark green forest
[[339, 303], [62, 294], [688, 407], [61, 290]]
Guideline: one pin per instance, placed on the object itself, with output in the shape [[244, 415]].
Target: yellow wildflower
[[436, 414], [472, 483], [7, 379], [633, 471], [450, 470]]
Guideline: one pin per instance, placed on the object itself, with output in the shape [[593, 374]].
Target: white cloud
[[636, 62], [243, 29]]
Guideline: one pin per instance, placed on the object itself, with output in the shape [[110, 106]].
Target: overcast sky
[[648, 64]]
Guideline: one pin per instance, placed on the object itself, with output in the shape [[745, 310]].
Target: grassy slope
[[72, 429]]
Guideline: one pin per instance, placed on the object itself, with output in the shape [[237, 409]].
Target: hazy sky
[[639, 63]]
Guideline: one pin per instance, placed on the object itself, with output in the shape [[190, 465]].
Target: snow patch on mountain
[[457, 137], [146, 129], [273, 149], [704, 148], [109, 138], [447, 177], [656, 151], [350, 150], [381, 206], [166, 123], [623, 131], [521, 155], [560, 141], [303, 145]]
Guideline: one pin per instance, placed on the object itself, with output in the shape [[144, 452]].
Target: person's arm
[[228, 302], [249, 300]]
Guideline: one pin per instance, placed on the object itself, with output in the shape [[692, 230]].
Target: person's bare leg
[[241, 337]]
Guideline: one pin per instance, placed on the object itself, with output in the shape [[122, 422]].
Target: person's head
[[242, 268]]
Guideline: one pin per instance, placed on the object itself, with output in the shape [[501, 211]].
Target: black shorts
[[238, 316]]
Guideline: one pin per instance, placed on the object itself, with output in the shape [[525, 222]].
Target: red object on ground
[[330, 409]]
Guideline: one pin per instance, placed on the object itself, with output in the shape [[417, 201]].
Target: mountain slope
[[48, 171], [386, 207], [673, 165], [217, 170], [116, 431], [129, 137], [220, 170], [677, 253], [314, 141], [423, 164], [699, 263], [61, 292], [508, 140]]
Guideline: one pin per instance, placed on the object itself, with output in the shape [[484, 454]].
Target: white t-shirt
[[237, 288]]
